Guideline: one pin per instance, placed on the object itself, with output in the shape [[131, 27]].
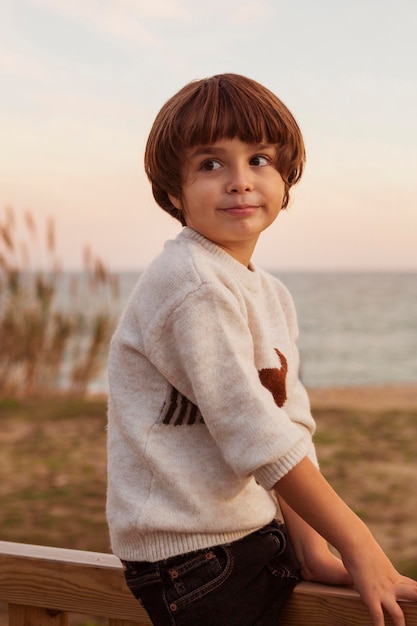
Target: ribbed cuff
[[270, 474]]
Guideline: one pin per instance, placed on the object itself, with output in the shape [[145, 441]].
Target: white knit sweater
[[206, 409]]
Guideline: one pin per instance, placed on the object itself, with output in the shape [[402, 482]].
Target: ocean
[[356, 328]]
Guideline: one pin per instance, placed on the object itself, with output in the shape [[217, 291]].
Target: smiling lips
[[241, 209]]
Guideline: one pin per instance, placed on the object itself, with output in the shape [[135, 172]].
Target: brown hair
[[220, 107]]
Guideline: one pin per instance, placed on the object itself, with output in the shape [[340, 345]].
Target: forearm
[[305, 540], [309, 501], [317, 563]]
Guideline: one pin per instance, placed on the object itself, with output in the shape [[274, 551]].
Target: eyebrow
[[213, 149]]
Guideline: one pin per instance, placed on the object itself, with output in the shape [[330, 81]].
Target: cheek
[[281, 191], [199, 197]]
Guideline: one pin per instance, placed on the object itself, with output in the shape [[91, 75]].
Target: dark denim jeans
[[244, 583]]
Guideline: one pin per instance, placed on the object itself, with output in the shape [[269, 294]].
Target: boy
[[209, 425]]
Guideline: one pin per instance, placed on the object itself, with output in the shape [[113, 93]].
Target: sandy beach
[[366, 397]]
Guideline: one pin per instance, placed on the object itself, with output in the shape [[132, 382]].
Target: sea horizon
[[356, 327]]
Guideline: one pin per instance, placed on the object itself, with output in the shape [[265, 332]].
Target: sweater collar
[[249, 276]]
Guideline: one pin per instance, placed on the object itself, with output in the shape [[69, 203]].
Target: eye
[[210, 165], [260, 160]]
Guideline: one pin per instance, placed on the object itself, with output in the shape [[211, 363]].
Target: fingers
[[396, 614], [377, 615], [392, 608], [407, 589]]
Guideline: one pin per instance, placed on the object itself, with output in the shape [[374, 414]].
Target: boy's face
[[231, 193]]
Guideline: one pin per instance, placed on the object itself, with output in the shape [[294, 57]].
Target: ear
[[175, 201]]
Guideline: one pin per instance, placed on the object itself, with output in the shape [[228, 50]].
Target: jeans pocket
[[277, 535], [139, 576], [196, 576], [285, 563]]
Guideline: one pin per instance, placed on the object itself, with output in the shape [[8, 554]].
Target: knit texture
[[206, 409]]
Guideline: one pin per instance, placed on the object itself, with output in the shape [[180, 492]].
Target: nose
[[240, 181]]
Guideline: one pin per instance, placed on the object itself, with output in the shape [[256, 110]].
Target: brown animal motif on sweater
[[274, 380], [179, 411]]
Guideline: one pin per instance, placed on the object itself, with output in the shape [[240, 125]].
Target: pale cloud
[[123, 20], [68, 133], [14, 64], [236, 12], [253, 10], [390, 86], [161, 9], [107, 19]]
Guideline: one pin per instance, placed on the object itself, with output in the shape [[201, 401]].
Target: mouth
[[241, 209]]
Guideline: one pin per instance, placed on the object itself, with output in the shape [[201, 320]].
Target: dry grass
[[53, 461], [45, 346]]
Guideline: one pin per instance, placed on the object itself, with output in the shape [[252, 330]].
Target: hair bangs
[[220, 109]]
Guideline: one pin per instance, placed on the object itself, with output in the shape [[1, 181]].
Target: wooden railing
[[41, 586]]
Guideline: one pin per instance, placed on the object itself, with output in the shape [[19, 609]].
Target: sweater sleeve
[[205, 349], [298, 403]]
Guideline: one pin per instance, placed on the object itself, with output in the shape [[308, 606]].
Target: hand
[[305, 493], [380, 585]]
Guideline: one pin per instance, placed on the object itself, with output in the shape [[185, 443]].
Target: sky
[[82, 81]]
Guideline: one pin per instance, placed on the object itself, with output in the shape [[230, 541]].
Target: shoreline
[[377, 397]]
